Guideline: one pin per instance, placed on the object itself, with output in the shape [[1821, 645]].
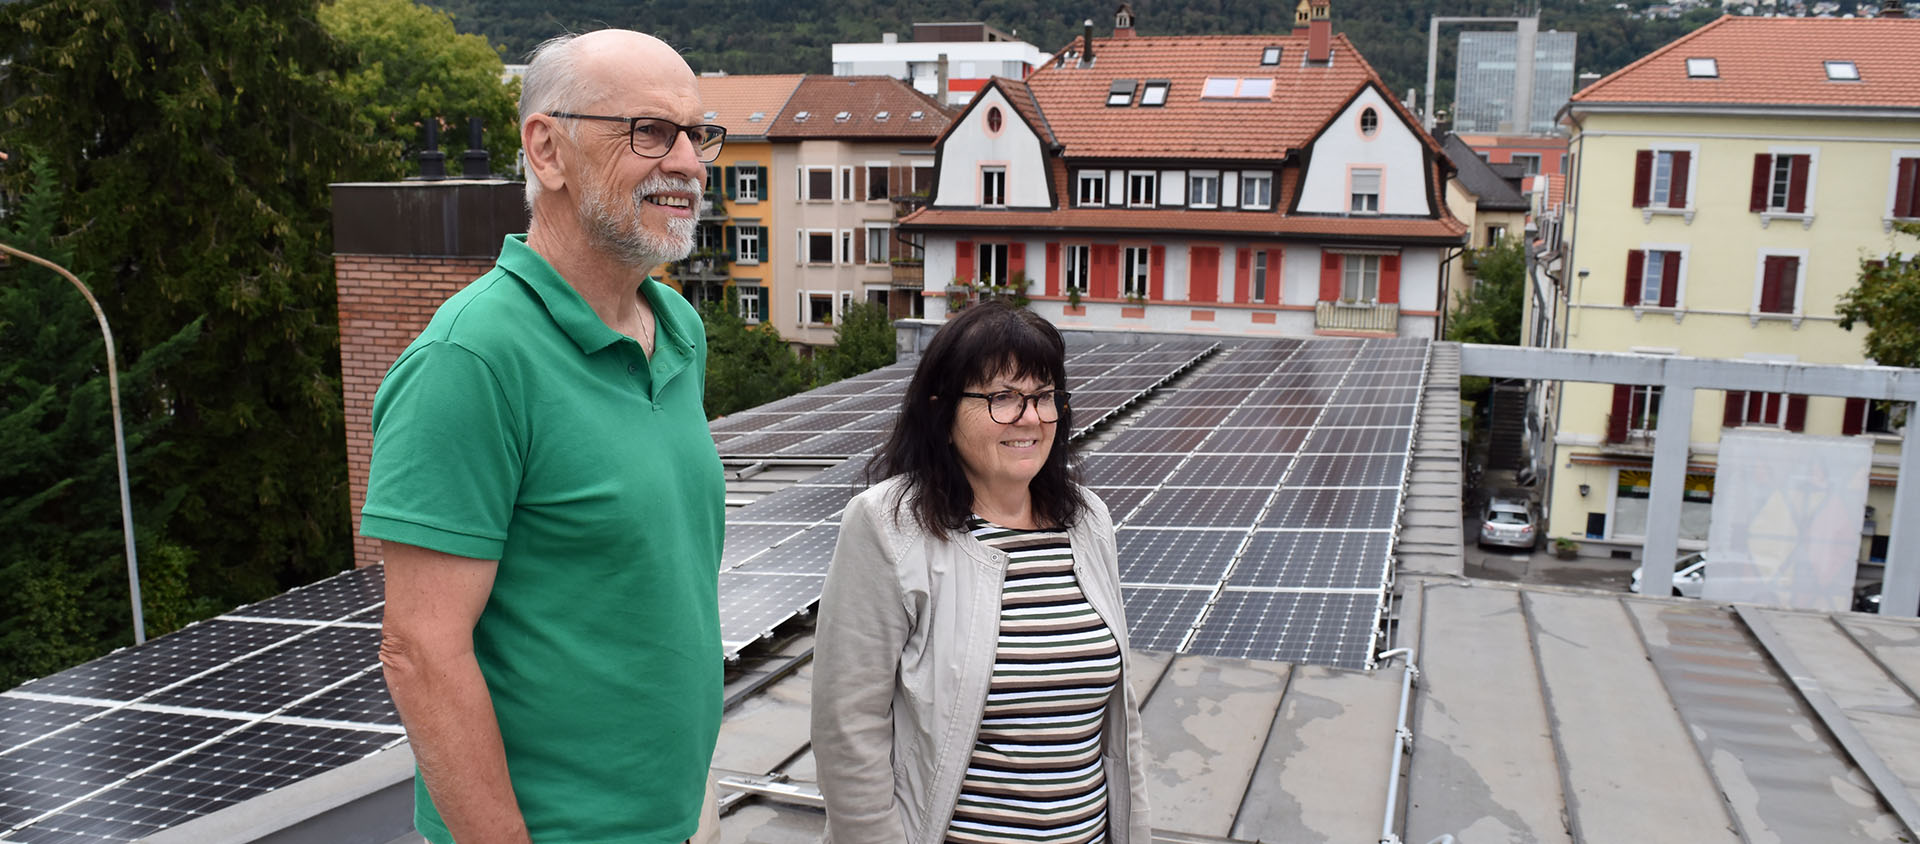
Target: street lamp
[[119, 437]]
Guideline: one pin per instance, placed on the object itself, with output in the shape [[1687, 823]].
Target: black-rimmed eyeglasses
[[653, 137], [1007, 406]]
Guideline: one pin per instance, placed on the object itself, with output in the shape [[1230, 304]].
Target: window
[[878, 187], [1360, 280], [1871, 416], [1653, 278], [1369, 122], [818, 184], [1779, 284], [1766, 410], [710, 237], [1259, 276], [923, 179], [1143, 189], [1155, 93], [1256, 190], [877, 239], [746, 244], [1076, 269], [846, 246], [820, 308], [1643, 408], [1120, 93], [746, 183], [881, 117], [1494, 233], [994, 120], [1780, 183], [1133, 277], [1270, 56], [842, 117], [1529, 162], [993, 262], [1203, 190], [1660, 178], [714, 181], [1906, 188], [1091, 188], [1366, 190], [1703, 69], [753, 302], [1843, 72], [993, 186], [846, 183], [819, 247]]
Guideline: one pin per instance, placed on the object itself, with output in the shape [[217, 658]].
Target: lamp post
[[119, 437]]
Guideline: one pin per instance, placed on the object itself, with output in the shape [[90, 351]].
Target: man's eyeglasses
[[1007, 406], [652, 137]]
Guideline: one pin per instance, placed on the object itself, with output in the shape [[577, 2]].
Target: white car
[[1689, 577], [1509, 522]]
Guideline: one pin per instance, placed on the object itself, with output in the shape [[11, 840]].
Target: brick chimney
[[1893, 9], [400, 249], [1123, 21], [1301, 14], [1319, 31]]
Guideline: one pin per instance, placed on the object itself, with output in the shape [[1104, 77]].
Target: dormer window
[[1120, 93], [1270, 56], [1842, 71], [881, 117], [1155, 93], [801, 117], [843, 117], [1703, 69]]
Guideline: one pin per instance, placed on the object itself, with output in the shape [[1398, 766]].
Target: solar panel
[[1231, 470], [22, 719], [744, 541], [1376, 395], [805, 553], [1197, 507], [363, 700], [1358, 441], [1334, 509], [1184, 397], [83, 758], [1271, 416], [290, 671], [1158, 619], [1314, 560], [326, 600], [127, 674], [842, 444], [1348, 470], [1320, 628], [1187, 417], [1157, 557], [1368, 415], [753, 604], [1313, 397], [1155, 440], [1101, 469], [1254, 441], [1121, 500], [818, 421]]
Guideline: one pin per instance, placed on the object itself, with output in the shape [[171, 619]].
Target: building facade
[[1485, 94], [1725, 190], [950, 62]]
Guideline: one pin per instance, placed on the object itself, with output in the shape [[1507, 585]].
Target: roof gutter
[[1577, 109]]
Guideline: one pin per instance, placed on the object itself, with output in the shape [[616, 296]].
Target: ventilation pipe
[[473, 163], [940, 82], [433, 162], [1086, 42]]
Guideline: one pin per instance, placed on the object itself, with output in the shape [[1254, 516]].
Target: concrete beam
[[1674, 372]]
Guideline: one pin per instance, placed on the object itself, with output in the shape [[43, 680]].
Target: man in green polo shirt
[[548, 496]]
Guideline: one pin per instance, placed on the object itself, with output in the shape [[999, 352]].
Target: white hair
[[553, 82]]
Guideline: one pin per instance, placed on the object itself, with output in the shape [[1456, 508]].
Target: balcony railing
[[908, 272], [703, 265], [714, 206], [1340, 316]]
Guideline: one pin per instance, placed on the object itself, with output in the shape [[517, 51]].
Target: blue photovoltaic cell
[[1358, 441], [1254, 441], [751, 605], [265, 682], [75, 762], [1262, 470], [1157, 619], [127, 674], [808, 553], [1320, 628], [1333, 509], [341, 595], [1315, 560], [1189, 507], [23, 720], [1348, 470], [1121, 500], [1150, 557], [362, 701], [1127, 469]]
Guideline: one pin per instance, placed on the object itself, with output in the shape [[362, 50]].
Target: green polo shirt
[[518, 427]]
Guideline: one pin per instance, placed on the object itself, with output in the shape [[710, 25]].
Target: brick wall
[[385, 300]]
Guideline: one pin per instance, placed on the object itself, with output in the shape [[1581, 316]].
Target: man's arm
[[426, 649]]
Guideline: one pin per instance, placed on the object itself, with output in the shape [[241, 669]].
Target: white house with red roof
[[1249, 184]]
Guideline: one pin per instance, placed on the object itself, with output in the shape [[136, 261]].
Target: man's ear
[[541, 138]]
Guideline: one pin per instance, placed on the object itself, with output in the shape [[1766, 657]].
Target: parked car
[[1866, 598], [1509, 522], [1689, 576]]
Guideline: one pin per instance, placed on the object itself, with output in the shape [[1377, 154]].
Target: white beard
[[622, 233]]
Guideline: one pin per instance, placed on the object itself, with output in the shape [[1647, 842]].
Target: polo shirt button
[[633, 368]]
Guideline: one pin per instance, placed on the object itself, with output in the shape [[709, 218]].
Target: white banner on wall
[[1786, 519]]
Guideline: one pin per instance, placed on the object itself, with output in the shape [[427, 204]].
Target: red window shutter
[[1203, 274], [860, 183], [1906, 189], [1274, 257], [963, 261], [1642, 177], [1636, 266], [1107, 275], [1736, 402], [1796, 412], [1770, 285], [1329, 277], [1242, 274], [1789, 283], [1855, 420], [1762, 179], [1797, 183], [1157, 273], [1670, 280], [1053, 269], [1016, 259], [1677, 192], [860, 245], [1622, 412], [1389, 279]]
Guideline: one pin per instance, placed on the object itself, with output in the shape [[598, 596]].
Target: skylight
[[881, 117], [1270, 56], [756, 117], [1232, 88], [1120, 93], [843, 117], [916, 115], [1155, 93], [1843, 71], [710, 115], [802, 116], [1703, 68]]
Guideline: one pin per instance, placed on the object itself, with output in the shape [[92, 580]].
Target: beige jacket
[[903, 656]]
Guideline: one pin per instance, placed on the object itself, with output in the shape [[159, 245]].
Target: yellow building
[[1725, 189], [732, 242]]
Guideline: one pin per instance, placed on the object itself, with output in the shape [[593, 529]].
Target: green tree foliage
[[1887, 301], [63, 583], [193, 143], [863, 341], [1492, 312], [747, 365], [413, 67]]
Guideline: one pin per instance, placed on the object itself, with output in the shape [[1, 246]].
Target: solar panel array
[[853, 416], [1257, 503], [220, 712]]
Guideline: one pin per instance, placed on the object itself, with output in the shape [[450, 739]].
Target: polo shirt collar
[[568, 308]]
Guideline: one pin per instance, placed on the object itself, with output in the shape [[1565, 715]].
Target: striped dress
[[1035, 774]]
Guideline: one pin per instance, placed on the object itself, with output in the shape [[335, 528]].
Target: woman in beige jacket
[[969, 669]]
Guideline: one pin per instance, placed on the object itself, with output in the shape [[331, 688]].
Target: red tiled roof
[[1021, 98], [733, 99], [1304, 98], [1776, 61], [1221, 223], [863, 98]]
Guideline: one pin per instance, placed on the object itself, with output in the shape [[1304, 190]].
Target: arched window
[[1369, 122]]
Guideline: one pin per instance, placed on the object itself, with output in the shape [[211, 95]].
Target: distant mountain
[[789, 36]]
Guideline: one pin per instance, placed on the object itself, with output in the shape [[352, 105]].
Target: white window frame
[[882, 235], [806, 183], [1076, 268], [1773, 409], [1656, 205], [846, 183], [846, 246], [1260, 276], [886, 170], [1799, 286], [1248, 180], [1203, 189], [806, 306], [744, 234], [985, 265], [1363, 275], [806, 247], [1092, 182], [1136, 271], [993, 176], [1785, 186], [1354, 194], [746, 182], [1679, 284], [1649, 406], [1150, 180], [749, 296], [1534, 157]]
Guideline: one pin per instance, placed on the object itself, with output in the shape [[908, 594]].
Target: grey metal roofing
[[1490, 189]]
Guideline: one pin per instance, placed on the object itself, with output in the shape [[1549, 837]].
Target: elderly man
[[548, 496]]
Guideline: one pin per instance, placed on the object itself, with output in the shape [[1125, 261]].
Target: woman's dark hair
[[987, 340]]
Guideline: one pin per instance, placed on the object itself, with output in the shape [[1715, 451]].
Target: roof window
[[1231, 88], [916, 115], [881, 117], [801, 117], [1843, 71], [1155, 93], [1120, 93], [756, 117], [843, 117], [710, 115], [1703, 69], [1270, 56]]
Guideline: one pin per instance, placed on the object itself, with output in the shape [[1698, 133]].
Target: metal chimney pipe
[[433, 162], [1086, 45], [473, 164]]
